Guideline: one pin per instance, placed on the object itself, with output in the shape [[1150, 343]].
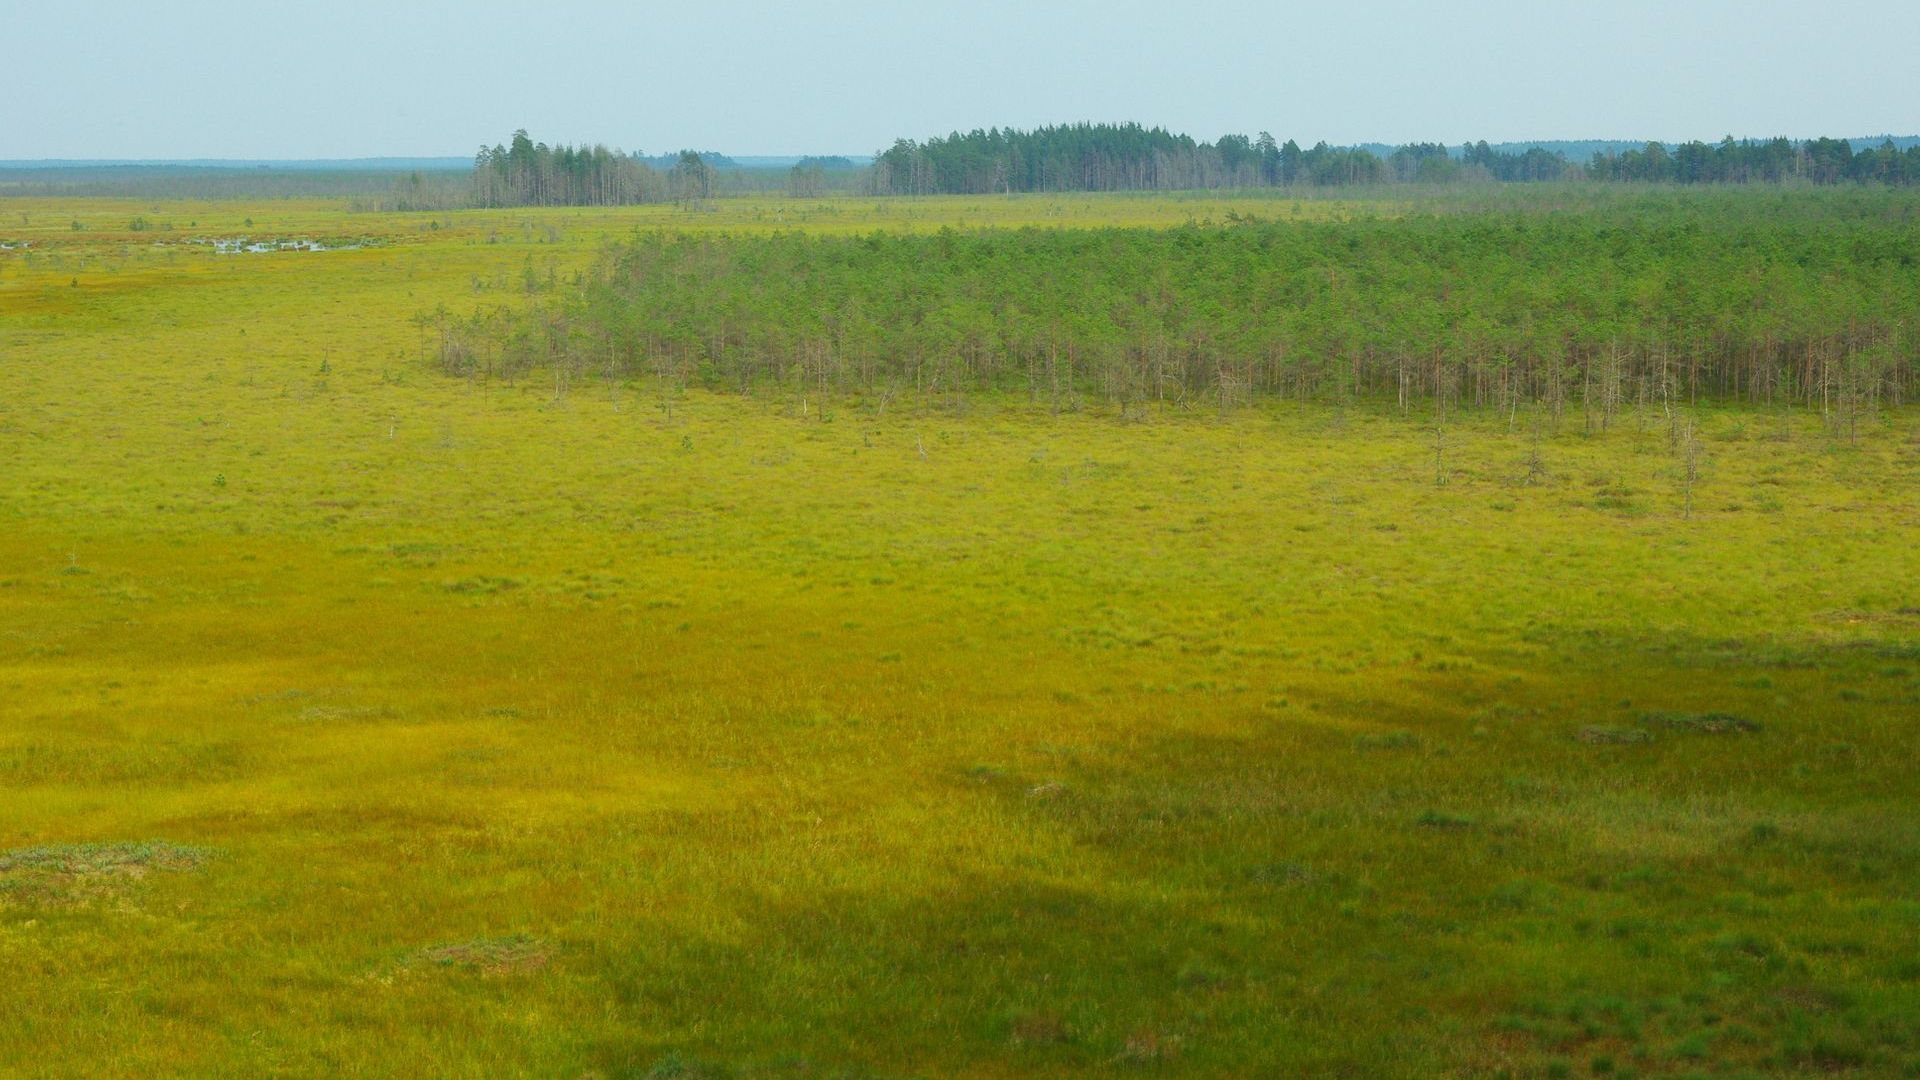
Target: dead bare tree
[[1690, 463]]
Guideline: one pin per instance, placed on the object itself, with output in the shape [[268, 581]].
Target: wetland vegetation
[[731, 640]]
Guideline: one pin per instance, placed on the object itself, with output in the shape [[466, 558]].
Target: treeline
[[1129, 157], [1725, 297]]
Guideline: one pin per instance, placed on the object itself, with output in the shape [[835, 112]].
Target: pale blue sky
[[344, 78]]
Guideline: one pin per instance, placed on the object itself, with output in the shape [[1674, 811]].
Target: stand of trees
[[809, 177], [526, 173], [1805, 298], [1129, 157], [693, 179]]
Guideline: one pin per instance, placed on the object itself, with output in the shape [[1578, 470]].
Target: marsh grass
[[913, 742]]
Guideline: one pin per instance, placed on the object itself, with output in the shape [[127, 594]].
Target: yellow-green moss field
[[357, 720]]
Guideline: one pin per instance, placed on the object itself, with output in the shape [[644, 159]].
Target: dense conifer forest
[[1755, 295]]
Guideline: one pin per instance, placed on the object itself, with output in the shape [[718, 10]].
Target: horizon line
[[453, 161]]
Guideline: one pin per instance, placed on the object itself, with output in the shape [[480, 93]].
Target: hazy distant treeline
[[421, 190], [1129, 157], [1822, 161], [1074, 157]]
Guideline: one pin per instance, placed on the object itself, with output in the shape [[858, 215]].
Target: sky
[[271, 79]]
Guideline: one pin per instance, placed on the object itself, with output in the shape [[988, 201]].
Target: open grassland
[[355, 719]]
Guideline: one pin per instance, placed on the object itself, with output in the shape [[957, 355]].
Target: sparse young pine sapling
[[1536, 464], [1690, 463]]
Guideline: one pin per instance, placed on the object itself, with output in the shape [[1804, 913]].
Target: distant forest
[[1129, 157], [1076, 157]]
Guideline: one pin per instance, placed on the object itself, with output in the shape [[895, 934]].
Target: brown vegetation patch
[[59, 875], [1897, 615], [1043, 1027], [1604, 736], [1706, 723], [517, 954], [1148, 1047]]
